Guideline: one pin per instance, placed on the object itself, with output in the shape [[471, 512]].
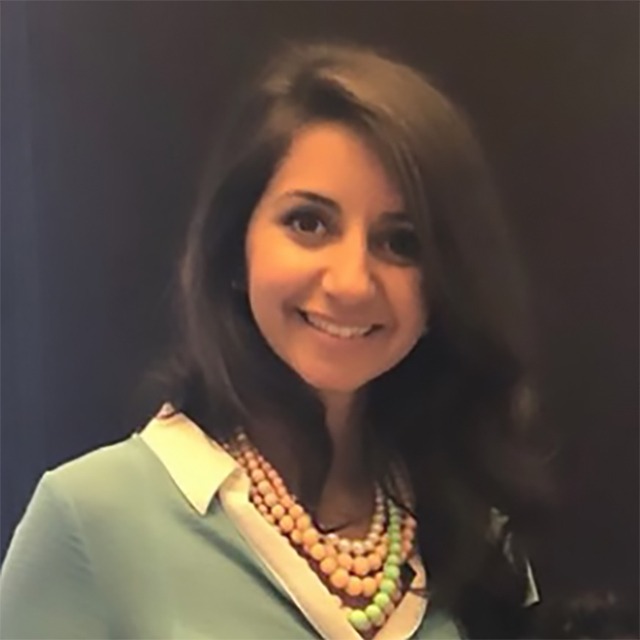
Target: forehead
[[334, 161]]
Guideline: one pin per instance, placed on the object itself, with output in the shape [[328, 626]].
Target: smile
[[335, 330]]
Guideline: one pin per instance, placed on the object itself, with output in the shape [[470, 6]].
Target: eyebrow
[[396, 216]]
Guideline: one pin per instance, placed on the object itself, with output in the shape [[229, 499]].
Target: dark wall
[[107, 110]]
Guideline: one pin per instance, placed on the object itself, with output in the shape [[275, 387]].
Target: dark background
[[107, 112]]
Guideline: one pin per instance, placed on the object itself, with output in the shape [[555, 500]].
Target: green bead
[[391, 571], [394, 536], [359, 620], [395, 548], [374, 613], [381, 599], [394, 559], [387, 586]]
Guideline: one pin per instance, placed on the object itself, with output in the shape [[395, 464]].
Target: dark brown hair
[[456, 409]]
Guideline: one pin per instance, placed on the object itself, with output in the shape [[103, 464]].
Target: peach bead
[[256, 498], [271, 499], [263, 509], [331, 550], [296, 511], [310, 537], [375, 561], [354, 586], [286, 524], [337, 600], [264, 487], [296, 537], [257, 475], [328, 565], [303, 522], [339, 578], [277, 511], [317, 551], [369, 587], [382, 550], [269, 518], [345, 561], [286, 501], [378, 578], [361, 566]]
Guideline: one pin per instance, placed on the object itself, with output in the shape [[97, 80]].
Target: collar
[[196, 463]]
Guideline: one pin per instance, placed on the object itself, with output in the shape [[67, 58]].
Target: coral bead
[[328, 565], [296, 511], [382, 551], [361, 566], [375, 561], [270, 499], [354, 586], [264, 487], [345, 561], [277, 511], [369, 586], [286, 524], [339, 578], [303, 522], [257, 475], [318, 552], [310, 537]]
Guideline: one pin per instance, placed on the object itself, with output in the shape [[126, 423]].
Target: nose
[[348, 276]]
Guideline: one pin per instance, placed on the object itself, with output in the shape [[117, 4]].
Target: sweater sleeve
[[47, 588]]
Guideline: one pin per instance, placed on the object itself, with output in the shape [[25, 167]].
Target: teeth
[[336, 330]]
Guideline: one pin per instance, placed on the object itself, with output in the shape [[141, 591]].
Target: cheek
[[273, 274], [411, 310]]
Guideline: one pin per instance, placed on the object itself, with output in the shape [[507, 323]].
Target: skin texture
[[346, 272], [339, 260]]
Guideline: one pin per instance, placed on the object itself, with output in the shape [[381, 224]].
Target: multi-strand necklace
[[363, 575]]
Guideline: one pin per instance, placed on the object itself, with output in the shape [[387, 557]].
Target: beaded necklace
[[365, 573]]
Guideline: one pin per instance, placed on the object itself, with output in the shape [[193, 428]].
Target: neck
[[348, 491]]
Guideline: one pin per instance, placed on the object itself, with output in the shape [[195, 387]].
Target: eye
[[307, 222], [402, 244]]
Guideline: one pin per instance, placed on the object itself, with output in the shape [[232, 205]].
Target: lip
[[340, 323], [335, 340]]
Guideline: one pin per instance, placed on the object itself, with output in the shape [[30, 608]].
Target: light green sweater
[[114, 545]]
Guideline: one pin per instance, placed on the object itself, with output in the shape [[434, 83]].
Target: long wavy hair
[[458, 408]]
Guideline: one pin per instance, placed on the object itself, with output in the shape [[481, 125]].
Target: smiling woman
[[341, 453], [360, 301]]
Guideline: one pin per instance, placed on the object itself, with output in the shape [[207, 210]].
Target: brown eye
[[306, 221], [403, 243]]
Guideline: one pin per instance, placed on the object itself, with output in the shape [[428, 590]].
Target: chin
[[335, 383]]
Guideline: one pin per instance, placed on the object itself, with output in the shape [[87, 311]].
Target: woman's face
[[333, 277]]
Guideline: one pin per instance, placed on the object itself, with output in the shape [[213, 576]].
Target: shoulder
[[104, 470]]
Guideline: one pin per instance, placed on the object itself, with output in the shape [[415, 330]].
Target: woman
[[343, 434]]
